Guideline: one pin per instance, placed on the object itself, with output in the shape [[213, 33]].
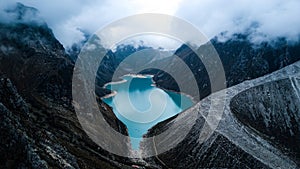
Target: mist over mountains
[[266, 20]]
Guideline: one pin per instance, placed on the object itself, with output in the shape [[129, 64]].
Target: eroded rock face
[[273, 110]]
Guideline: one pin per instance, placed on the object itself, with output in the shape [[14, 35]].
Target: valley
[[252, 122]]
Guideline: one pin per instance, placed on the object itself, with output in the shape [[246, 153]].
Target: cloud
[[68, 18], [17, 13], [267, 19]]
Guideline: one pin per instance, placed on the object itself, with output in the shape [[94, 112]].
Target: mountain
[[39, 127], [241, 59], [258, 127], [128, 59]]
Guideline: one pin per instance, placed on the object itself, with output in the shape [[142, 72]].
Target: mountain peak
[[19, 13]]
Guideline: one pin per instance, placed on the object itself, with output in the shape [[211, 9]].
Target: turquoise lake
[[140, 105]]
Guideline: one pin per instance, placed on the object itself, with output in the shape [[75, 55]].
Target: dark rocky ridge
[[241, 59], [39, 127]]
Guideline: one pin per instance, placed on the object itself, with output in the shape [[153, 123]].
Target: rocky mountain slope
[[39, 127], [241, 59], [272, 109], [259, 127]]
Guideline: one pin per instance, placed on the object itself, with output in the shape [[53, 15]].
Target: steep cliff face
[[265, 133], [39, 127]]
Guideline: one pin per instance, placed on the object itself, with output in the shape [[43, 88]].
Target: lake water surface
[[140, 105]]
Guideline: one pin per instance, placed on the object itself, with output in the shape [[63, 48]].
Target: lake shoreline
[[176, 103], [142, 76]]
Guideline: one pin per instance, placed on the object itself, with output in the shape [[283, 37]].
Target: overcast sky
[[272, 18]]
